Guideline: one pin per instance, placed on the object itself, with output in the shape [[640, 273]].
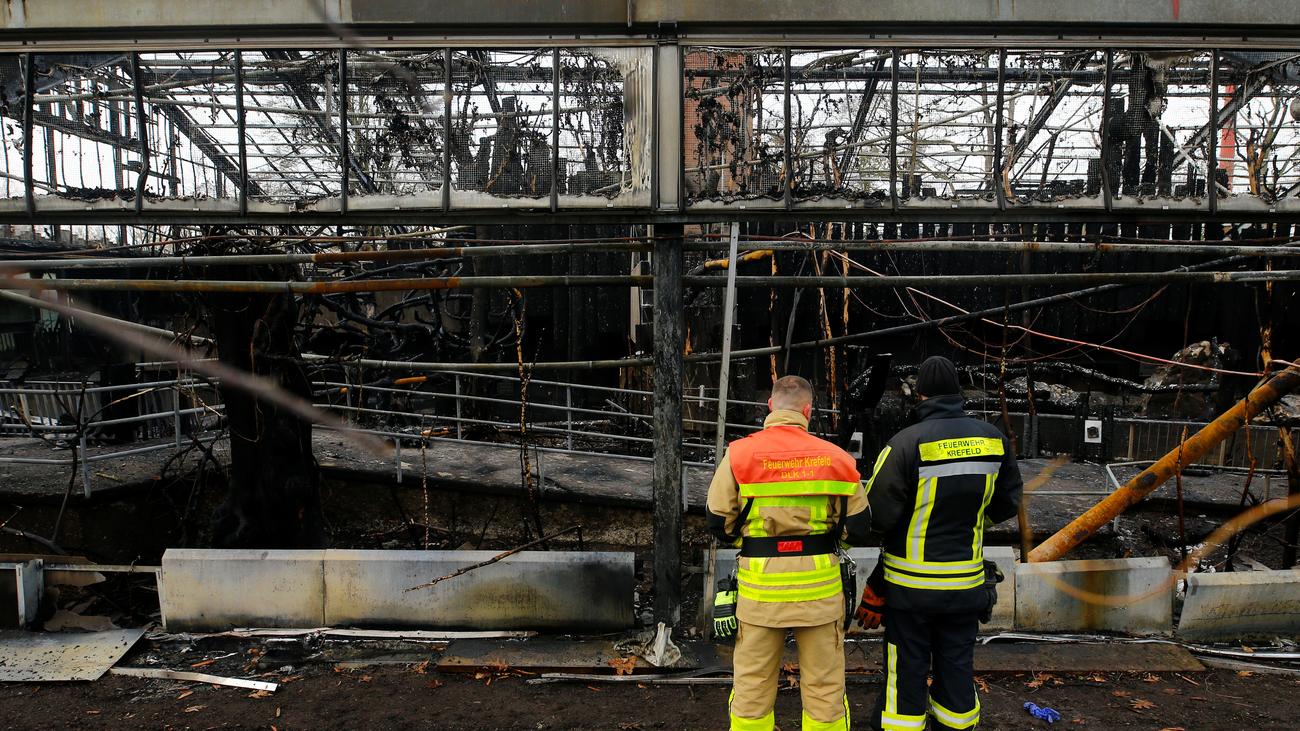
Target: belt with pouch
[[818, 544]]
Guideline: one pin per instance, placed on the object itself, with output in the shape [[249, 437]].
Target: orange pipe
[[1264, 395]]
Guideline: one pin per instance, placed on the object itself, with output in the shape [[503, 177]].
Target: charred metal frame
[[669, 278], [667, 117]]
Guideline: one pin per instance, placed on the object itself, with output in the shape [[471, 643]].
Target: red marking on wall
[[1175, 2]]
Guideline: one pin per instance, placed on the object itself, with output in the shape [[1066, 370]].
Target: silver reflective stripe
[[959, 468], [956, 720], [935, 567]]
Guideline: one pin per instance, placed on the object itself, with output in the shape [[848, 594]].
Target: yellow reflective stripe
[[960, 448], [934, 567], [809, 723], [880, 462], [977, 540], [952, 719], [933, 582], [817, 516], [740, 723], [788, 578], [891, 679], [756, 527], [797, 487], [822, 560], [925, 497], [899, 722], [792, 595]]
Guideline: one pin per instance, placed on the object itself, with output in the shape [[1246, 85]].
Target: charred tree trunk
[[274, 494]]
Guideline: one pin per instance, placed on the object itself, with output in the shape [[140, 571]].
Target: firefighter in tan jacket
[[785, 497]]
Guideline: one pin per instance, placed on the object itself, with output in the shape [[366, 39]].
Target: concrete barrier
[[1136, 596], [1004, 612], [532, 590], [1241, 605], [215, 590], [208, 590]]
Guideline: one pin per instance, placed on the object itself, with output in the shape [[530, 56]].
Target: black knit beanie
[[937, 376]]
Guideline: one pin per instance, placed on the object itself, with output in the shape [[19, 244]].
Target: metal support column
[[344, 155], [1107, 195], [893, 132], [555, 129], [788, 195], [1212, 141], [999, 177], [669, 342], [728, 319], [29, 113], [669, 178], [142, 132], [241, 123], [446, 135]]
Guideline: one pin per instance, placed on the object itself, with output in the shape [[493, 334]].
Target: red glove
[[870, 610]]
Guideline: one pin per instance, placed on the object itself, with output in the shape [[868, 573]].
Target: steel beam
[[29, 111], [253, 18], [669, 343], [142, 130], [241, 122]]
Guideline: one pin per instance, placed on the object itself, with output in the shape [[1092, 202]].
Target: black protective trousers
[[918, 645]]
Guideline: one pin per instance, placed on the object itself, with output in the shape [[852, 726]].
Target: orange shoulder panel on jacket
[[788, 454]]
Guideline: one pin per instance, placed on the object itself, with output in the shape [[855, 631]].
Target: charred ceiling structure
[[606, 228]]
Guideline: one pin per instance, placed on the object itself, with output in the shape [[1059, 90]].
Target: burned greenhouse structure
[[401, 327]]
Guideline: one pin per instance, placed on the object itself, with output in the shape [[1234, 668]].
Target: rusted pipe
[[335, 286], [601, 280], [1188, 452], [1000, 247], [325, 257]]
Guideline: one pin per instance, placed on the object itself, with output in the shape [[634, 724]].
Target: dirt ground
[[398, 696]]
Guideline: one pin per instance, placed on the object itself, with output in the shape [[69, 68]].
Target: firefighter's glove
[[871, 610], [724, 609], [992, 577]]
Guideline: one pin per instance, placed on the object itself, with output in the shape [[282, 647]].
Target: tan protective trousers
[[757, 668]]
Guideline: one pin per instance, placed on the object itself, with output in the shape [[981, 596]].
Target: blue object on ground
[[1047, 714]]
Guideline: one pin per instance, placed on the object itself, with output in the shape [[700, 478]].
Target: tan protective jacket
[[782, 516]]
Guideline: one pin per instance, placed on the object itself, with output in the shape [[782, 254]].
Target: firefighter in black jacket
[[935, 486]]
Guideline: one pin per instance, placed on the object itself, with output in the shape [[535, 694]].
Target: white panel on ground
[[59, 656]]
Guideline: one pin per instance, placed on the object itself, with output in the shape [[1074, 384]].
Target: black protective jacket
[[935, 486]]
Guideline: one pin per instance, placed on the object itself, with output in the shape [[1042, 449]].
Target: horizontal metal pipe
[[1003, 280], [999, 247], [422, 254], [324, 257], [327, 286], [601, 280]]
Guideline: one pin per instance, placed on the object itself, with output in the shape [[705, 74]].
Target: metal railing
[[41, 409], [564, 417]]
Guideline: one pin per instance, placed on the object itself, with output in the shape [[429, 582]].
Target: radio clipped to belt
[[849, 577], [724, 608]]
